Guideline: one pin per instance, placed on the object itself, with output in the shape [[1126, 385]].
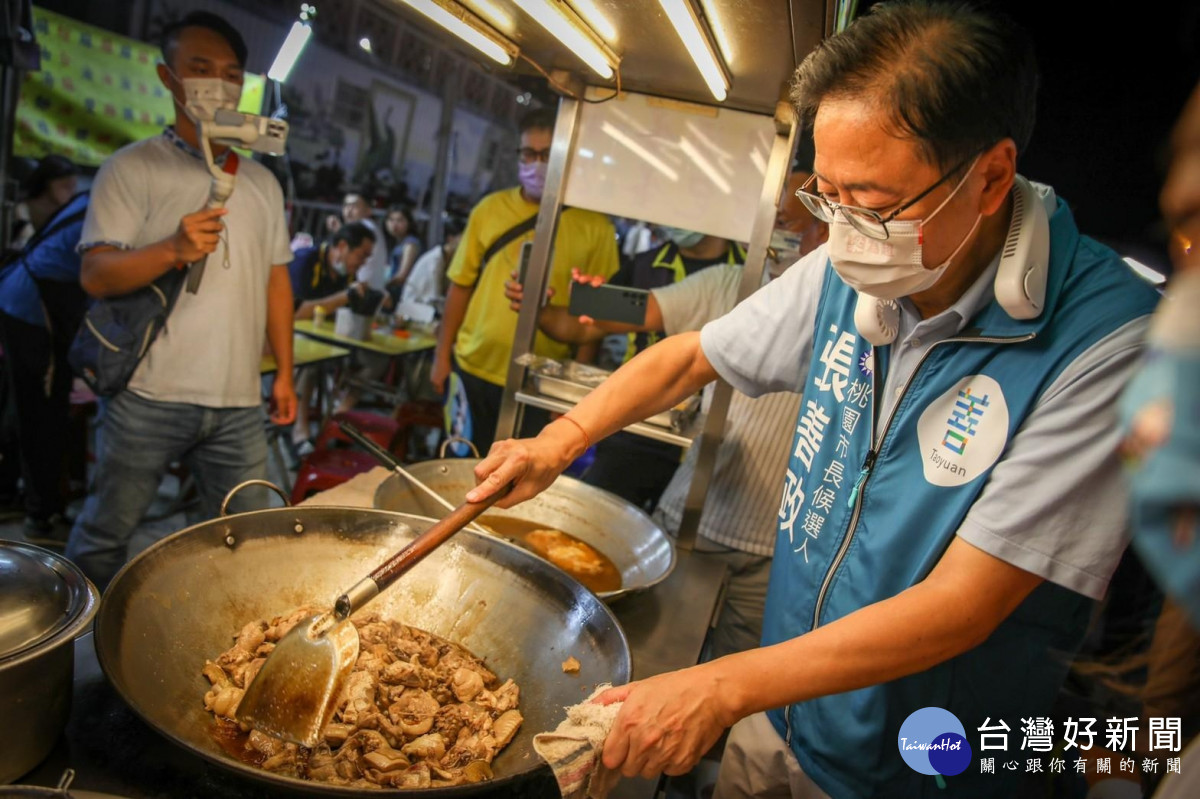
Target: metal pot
[[45, 602], [639, 548], [63, 791], [181, 600]]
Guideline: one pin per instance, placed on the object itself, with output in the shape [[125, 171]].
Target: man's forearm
[[279, 319], [939, 618], [555, 322], [457, 300], [108, 271], [654, 381], [332, 302]]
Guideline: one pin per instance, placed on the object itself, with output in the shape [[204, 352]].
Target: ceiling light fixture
[[565, 25], [596, 19], [462, 23], [699, 44]]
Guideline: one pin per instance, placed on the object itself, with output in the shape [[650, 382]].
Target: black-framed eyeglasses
[[528, 155], [864, 220]]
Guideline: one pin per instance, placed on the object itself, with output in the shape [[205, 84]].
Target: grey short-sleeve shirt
[[1055, 504], [210, 351]]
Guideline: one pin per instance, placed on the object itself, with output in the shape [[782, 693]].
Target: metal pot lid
[[42, 595]]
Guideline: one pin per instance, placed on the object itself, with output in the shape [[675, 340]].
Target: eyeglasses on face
[[528, 155], [866, 221]]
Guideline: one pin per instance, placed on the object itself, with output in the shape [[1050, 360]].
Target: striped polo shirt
[[742, 503]]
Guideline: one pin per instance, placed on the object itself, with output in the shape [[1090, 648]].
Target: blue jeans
[[136, 439]]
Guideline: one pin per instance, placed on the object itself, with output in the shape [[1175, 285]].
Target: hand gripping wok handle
[[411, 555]]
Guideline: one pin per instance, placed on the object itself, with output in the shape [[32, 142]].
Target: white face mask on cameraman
[[205, 96], [894, 267]]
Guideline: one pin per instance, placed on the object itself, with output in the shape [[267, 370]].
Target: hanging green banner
[[95, 93]]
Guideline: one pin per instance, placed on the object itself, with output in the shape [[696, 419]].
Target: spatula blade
[[292, 696]]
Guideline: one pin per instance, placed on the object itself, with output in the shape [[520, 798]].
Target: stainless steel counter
[[113, 751]]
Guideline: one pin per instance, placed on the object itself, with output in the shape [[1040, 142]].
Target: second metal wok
[[638, 547], [181, 600]]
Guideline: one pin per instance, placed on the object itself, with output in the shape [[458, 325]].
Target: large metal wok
[[181, 600], [638, 547]]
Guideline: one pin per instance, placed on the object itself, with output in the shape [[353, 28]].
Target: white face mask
[[205, 96], [894, 267], [684, 239]]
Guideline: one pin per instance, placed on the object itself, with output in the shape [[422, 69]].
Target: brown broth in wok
[[579, 559]]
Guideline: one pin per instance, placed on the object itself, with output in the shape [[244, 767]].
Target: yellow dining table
[[382, 341], [305, 352]]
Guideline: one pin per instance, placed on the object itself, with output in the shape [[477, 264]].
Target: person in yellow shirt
[[475, 340]]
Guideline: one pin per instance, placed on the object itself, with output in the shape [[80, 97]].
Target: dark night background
[[1114, 79]]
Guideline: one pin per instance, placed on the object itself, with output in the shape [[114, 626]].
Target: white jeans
[[757, 764]]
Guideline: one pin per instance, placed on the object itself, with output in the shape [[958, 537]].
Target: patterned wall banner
[[96, 92]]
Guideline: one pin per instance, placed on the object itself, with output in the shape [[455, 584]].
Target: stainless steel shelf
[[655, 432]]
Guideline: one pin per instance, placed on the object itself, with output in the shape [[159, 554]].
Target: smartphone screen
[[523, 262]]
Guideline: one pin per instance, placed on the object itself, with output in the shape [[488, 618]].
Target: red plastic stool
[[411, 415], [375, 426], [326, 468]]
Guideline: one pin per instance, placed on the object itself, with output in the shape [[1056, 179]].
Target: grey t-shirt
[[740, 507], [211, 348], [1067, 525]]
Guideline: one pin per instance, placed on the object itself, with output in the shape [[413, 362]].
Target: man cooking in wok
[[953, 506]]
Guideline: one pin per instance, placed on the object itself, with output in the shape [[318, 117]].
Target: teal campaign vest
[[860, 523]]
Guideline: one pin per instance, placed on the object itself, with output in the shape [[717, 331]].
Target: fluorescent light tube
[[687, 24], [564, 25], [463, 24], [596, 19], [292, 47]]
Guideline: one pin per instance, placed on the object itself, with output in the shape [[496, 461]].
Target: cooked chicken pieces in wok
[[417, 711]]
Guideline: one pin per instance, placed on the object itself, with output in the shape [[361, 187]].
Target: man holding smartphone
[[631, 466], [475, 339]]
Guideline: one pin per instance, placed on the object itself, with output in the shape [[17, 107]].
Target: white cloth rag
[[574, 749]]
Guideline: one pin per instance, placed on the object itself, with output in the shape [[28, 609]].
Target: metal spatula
[[293, 695]]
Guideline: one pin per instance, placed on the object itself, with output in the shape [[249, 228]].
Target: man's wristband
[[587, 441]]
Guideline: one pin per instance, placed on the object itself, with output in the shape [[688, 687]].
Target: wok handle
[[374, 450], [387, 459], [458, 440], [265, 483], [411, 555]]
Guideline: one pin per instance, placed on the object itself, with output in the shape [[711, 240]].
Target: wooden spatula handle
[[431, 539]]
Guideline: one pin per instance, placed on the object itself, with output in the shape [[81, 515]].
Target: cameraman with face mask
[[195, 396]]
